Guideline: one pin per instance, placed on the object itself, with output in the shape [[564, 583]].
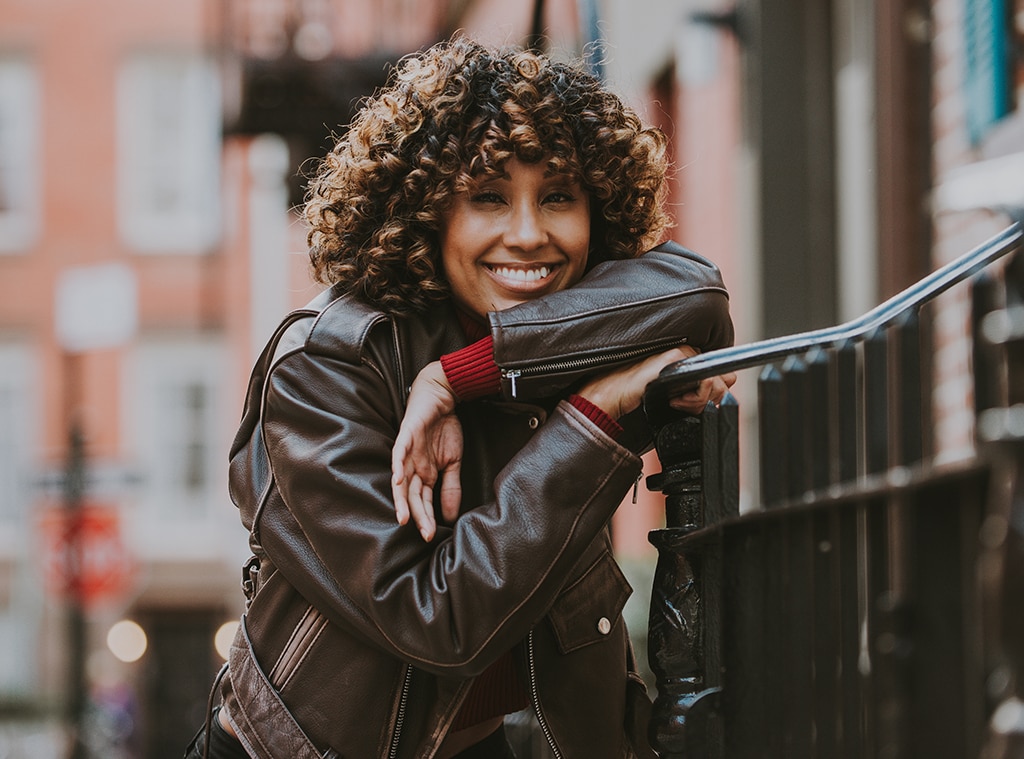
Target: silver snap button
[[604, 626], [534, 422]]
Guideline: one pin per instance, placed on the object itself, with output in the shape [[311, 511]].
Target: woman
[[488, 330]]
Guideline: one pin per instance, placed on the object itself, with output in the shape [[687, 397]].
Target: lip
[[520, 278]]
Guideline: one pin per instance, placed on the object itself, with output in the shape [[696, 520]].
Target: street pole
[[82, 327], [74, 493]]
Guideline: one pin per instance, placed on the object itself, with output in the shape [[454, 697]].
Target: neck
[[474, 327]]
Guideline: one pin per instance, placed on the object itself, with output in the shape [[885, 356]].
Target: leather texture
[[361, 639]]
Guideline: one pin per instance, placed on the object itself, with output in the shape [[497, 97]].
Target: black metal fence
[[873, 606]]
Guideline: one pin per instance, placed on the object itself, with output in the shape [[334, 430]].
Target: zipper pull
[[636, 486], [511, 374]]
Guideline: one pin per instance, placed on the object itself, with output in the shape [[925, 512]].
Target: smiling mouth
[[522, 273]]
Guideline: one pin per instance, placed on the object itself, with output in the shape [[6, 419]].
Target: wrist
[[605, 398], [433, 376], [597, 415]]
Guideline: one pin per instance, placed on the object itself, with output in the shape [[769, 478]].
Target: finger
[[694, 407], [696, 393], [401, 503], [451, 492], [429, 528], [710, 390], [422, 513], [718, 390], [399, 484], [694, 401], [720, 386], [399, 453]]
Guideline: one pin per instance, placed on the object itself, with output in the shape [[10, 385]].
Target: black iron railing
[[851, 615]]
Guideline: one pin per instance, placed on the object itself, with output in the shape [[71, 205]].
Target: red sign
[[84, 555]]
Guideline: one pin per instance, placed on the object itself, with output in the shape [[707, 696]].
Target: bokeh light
[[127, 640], [222, 639]]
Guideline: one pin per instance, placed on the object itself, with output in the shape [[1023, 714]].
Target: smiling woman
[[448, 125], [486, 212], [515, 237]]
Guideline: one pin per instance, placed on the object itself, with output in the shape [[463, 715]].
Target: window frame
[[159, 367], [186, 171], [20, 152]]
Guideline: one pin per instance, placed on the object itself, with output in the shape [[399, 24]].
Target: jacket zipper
[[535, 698], [573, 364], [403, 703]]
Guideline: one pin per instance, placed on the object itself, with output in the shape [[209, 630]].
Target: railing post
[[1002, 427], [699, 479], [772, 429], [843, 420], [913, 402]]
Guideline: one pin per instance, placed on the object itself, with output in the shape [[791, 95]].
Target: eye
[[487, 197], [560, 195]]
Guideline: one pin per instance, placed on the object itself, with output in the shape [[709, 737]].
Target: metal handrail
[[687, 373]]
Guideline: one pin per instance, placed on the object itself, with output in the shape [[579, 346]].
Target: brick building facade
[[147, 251], [825, 155]]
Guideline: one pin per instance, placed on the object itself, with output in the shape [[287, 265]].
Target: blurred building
[[149, 155], [977, 170], [126, 257], [830, 154], [826, 156]]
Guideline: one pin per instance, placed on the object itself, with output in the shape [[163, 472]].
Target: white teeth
[[522, 275]]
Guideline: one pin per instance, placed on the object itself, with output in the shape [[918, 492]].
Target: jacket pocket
[[265, 725], [588, 609]]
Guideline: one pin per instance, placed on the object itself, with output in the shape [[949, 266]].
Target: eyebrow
[[548, 174]]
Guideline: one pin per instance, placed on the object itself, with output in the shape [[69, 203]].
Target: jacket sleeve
[[456, 603], [620, 311]]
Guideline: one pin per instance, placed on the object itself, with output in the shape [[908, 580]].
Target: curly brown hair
[[456, 113]]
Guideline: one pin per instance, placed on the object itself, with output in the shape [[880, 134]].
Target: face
[[515, 237]]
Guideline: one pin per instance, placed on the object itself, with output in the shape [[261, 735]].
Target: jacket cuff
[[471, 371], [597, 415]]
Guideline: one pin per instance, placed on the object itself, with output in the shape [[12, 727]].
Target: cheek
[[581, 250], [450, 243], [463, 235]]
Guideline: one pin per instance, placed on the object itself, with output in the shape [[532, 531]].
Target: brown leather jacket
[[361, 640]]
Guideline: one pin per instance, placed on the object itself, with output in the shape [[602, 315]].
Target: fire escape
[[299, 68]]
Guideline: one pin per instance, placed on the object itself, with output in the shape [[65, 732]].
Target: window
[[19, 159], [21, 600], [176, 429], [989, 79], [1018, 46], [15, 434], [169, 153]]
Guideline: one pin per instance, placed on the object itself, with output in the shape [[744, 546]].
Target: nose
[[525, 230]]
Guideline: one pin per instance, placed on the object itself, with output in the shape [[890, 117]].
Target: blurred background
[[827, 153]]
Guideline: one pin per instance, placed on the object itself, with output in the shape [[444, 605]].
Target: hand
[[428, 445], [710, 390], [620, 391]]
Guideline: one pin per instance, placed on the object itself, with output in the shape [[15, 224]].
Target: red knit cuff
[[471, 371], [597, 415], [496, 692]]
